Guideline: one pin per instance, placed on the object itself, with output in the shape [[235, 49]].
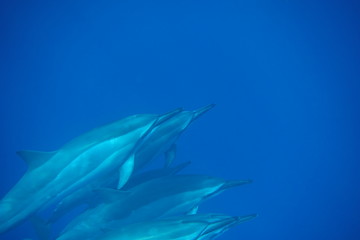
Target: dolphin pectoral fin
[[179, 167], [35, 159], [193, 211], [110, 195], [126, 171], [68, 203], [170, 155]]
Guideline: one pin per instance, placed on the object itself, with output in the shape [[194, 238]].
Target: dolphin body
[[162, 197], [84, 195], [192, 227], [53, 175], [161, 140], [153, 174]]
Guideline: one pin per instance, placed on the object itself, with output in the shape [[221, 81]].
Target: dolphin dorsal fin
[[35, 159], [110, 195]]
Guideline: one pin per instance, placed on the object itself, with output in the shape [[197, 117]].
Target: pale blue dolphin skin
[[163, 137], [162, 197], [160, 140], [96, 154], [84, 195], [193, 227], [153, 174], [218, 224]]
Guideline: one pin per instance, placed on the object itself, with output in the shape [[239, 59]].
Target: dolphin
[[218, 223], [160, 197], [193, 227], [153, 174], [96, 154], [163, 137], [84, 195], [161, 140]]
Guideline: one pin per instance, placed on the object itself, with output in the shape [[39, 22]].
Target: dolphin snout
[[201, 111], [235, 183]]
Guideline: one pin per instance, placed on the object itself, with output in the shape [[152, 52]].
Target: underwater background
[[284, 76]]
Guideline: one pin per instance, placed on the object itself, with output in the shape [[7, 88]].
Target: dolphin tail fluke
[[201, 111], [235, 183]]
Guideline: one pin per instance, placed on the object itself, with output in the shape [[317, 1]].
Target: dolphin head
[[234, 183], [197, 113], [221, 185], [166, 116], [218, 224]]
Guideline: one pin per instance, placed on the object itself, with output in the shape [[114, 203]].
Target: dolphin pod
[[161, 140], [96, 154], [82, 196], [102, 170], [160, 197]]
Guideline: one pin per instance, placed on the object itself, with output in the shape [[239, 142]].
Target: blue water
[[284, 76]]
